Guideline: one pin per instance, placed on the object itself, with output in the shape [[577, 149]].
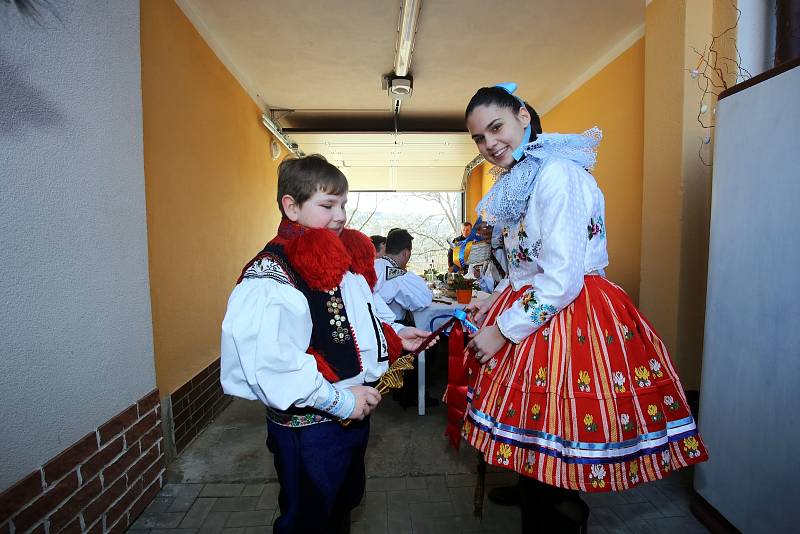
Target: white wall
[[750, 391], [76, 336], [755, 36]]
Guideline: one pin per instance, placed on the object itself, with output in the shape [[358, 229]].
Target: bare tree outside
[[433, 218]]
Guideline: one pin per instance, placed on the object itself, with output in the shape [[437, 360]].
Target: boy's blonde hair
[[301, 177]]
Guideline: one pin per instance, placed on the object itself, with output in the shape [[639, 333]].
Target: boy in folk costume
[[570, 385], [304, 335]]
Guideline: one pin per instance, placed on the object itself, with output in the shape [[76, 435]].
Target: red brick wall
[[195, 403], [99, 484]]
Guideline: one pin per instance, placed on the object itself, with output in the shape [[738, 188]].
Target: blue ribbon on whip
[[461, 315]]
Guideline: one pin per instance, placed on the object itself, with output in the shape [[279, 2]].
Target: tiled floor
[[425, 504], [225, 483]]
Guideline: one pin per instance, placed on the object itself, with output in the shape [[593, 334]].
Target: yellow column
[[676, 187], [478, 183]]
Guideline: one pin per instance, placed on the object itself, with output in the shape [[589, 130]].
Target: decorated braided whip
[[393, 377]]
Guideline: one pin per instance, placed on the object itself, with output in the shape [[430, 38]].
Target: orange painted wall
[[210, 186], [478, 184], [613, 99]]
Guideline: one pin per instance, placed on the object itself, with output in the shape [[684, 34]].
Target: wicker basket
[[480, 252], [474, 252]]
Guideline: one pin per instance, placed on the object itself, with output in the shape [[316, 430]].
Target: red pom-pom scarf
[[319, 257], [362, 252]]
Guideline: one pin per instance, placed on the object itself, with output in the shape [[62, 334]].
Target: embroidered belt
[[297, 417]]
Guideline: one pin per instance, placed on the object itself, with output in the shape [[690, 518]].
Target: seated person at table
[[403, 291], [380, 245]]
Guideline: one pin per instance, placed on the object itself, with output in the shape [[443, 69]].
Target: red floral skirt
[[591, 401]]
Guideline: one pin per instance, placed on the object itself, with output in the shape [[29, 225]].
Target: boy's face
[[322, 210]]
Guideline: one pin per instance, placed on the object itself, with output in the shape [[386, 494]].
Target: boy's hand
[[367, 398], [413, 338]]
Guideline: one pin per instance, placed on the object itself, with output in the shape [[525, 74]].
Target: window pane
[[432, 218]]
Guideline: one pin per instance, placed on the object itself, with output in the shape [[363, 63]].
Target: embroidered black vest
[[331, 333]]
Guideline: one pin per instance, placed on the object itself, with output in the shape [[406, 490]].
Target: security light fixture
[[400, 87], [400, 84]]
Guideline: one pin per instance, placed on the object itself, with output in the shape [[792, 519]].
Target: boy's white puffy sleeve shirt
[[267, 330], [560, 239], [400, 289]]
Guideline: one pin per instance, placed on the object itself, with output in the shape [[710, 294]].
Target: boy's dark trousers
[[321, 473]]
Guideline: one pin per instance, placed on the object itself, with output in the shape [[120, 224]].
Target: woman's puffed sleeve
[[265, 335], [560, 210]]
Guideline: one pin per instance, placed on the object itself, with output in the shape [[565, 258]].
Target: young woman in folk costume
[[570, 385]]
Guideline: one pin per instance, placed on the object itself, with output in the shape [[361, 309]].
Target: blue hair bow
[[510, 87]]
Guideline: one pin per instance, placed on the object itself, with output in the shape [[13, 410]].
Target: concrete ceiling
[[325, 58]]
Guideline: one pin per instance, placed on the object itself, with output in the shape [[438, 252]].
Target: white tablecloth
[[423, 317]]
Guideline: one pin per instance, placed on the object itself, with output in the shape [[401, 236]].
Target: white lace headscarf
[[506, 201]]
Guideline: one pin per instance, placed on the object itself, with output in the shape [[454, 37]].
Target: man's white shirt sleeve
[[407, 291]]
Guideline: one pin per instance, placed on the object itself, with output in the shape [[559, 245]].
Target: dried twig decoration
[[714, 73]]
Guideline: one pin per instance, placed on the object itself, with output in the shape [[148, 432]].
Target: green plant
[[432, 275], [459, 282]]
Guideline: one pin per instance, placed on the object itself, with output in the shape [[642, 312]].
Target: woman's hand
[[413, 338], [477, 310], [486, 342]]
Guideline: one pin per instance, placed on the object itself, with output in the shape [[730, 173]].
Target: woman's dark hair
[[487, 96]]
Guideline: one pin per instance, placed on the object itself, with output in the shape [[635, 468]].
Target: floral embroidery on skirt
[[592, 402]]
